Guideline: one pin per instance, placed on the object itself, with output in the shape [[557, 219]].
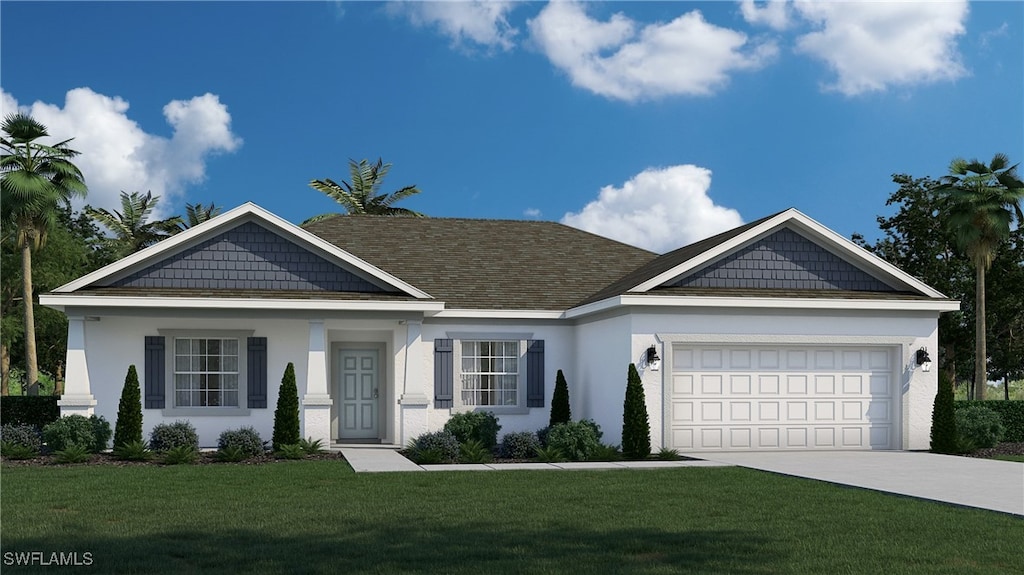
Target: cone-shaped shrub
[[636, 429], [128, 427], [944, 434], [286, 416], [560, 412]]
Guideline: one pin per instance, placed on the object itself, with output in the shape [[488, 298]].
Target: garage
[[742, 398]]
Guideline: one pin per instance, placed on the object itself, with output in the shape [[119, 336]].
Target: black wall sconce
[[651, 356], [923, 359]]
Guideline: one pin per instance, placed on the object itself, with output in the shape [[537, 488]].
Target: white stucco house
[[777, 335]]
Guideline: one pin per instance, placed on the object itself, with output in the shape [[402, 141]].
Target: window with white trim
[[206, 372], [490, 373]]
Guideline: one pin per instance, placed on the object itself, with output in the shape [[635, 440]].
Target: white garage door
[[807, 397]]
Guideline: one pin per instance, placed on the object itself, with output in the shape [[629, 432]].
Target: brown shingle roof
[[487, 264]]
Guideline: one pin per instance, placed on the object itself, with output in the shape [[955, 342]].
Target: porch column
[[414, 400], [316, 403], [77, 398]]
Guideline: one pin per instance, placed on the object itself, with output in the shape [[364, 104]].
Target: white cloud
[[532, 213], [118, 155], [873, 45], [659, 209], [622, 60], [774, 13], [482, 22]]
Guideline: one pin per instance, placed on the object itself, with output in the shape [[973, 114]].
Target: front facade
[[777, 335]]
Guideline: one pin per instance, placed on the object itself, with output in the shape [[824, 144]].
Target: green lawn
[[320, 517]]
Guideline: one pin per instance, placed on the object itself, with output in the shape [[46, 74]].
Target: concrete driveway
[[982, 483]]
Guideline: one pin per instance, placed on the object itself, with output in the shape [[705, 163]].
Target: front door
[[358, 382]]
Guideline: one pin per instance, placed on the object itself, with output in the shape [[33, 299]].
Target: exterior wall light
[[923, 359], [653, 361]]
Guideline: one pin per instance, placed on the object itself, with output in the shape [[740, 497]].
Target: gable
[[246, 257], [784, 260]]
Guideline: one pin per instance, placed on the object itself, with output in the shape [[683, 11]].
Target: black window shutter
[[154, 372], [444, 372], [535, 373], [256, 372]]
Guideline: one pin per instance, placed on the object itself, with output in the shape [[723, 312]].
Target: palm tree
[[131, 228], [196, 214], [37, 180], [980, 203], [362, 196]]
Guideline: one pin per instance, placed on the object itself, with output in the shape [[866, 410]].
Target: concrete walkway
[[982, 483]]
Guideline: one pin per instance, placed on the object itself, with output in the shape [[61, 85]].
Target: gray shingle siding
[[248, 257], [784, 260]]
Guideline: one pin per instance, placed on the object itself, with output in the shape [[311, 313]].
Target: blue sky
[[654, 123]]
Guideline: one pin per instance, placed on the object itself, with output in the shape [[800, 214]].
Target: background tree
[[37, 179], [362, 195], [979, 204], [1005, 306], [196, 214], [128, 427], [636, 428], [560, 411], [286, 415], [131, 226]]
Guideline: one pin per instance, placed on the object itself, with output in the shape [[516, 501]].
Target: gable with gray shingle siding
[[248, 256], [784, 260]]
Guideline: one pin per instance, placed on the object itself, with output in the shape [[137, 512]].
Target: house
[[779, 334]]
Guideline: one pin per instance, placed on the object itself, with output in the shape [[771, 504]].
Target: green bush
[[550, 455], [168, 436], [474, 452], [1011, 412], [21, 434], [480, 426], [72, 454], [576, 440], [980, 425], [17, 451], [666, 454], [636, 429], [443, 444], [247, 439], [520, 445], [560, 411], [133, 451], [90, 433], [37, 410], [180, 455], [291, 451], [606, 453], [944, 434], [311, 447], [286, 415], [128, 427], [231, 454], [542, 435]]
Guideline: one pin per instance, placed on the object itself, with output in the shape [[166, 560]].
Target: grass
[[320, 517], [1019, 458]]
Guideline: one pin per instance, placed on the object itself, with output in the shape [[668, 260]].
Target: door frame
[[335, 386]]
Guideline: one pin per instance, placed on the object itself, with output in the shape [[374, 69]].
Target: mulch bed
[[205, 458], [1000, 449]]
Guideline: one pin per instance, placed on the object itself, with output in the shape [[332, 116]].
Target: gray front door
[[358, 382]]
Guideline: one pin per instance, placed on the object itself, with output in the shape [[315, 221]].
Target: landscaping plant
[[979, 425], [128, 426], [291, 451], [520, 445], [575, 440], [944, 434], [286, 415], [434, 447], [133, 451], [560, 411], [473, 451], [90, 433], [180, 455], [72, 454], [636, 429], [311, 447], [168, 436], [480, 426], [21, 436], [246, 439]]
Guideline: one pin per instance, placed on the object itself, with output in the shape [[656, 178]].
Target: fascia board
[[64, 301]]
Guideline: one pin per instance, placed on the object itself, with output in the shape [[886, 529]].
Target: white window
[[490, 373], [206, 372]]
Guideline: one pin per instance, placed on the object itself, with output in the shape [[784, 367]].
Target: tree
[[286, 415], [980, 202], [362, 195], [944, 436], [636, 429], [196, 214], [37, 180], [560, 411], [128, 427], [131, 226], [1004, 301]]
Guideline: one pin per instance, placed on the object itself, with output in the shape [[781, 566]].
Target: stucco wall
[[602, 362]]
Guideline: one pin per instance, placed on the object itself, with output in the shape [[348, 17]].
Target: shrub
[[550, 455], [311, 447], [37, 410], [560, 411], [480, 426], [286, 415], [133, 451], [72, 454], [520, 445], [180, 455], [291, 451], [128, 426], [606, 453], [666, 454], [17, 451], [246, 439], [636, 429], [980, 425], [1011, 412], [577, 440], [20, 434], [474, 452], [231, 454], [542, 435], [943, 436], [443, 443], [168, 436], [90, 433]]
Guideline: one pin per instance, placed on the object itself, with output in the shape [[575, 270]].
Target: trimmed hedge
[[1011, 413], [37, 410]]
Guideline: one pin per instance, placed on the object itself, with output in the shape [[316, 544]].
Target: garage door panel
[[756, 397]]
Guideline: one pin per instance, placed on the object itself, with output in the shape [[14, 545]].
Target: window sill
[[496, 410], [206, 412]]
